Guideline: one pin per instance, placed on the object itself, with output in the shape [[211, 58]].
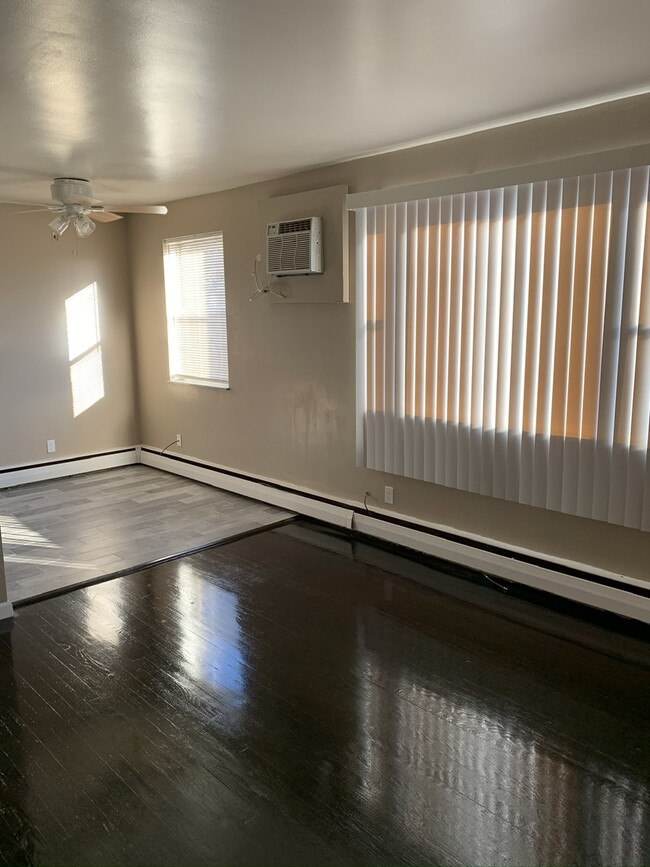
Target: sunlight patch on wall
[[87, 380], [84, 349]]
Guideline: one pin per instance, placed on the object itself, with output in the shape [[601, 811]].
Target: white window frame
[[173, 312]]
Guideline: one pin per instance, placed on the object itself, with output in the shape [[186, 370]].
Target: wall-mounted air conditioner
[[295, 247]]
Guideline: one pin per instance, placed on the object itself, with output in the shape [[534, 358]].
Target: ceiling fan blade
[[26, 204], [139, 209], [86, 201], [34, 210], [103, 216]]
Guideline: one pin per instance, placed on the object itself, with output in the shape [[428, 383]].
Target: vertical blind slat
[[380, 333], [467, 348], [455, 336], [478, 369], [430, 364], [365, 275], [504, 360], [401, 238], [519, 340], [421, 353]]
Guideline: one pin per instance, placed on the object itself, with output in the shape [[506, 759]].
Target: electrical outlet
[[51, 446], [179, 440], [388, 495], [258, 258]]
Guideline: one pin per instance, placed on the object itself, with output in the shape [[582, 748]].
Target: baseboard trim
[[597, 588], [71, 466], [6, 610]]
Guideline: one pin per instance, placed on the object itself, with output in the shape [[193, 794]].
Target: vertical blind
[[196, 309], [504, 343]]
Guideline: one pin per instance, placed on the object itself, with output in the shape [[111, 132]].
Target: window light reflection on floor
[[15, 533], [105, 615], [47, 561], [221, 667]]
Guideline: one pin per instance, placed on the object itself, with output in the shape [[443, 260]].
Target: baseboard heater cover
[[618, 594], [617, 600], [74, 465], [267, 491]]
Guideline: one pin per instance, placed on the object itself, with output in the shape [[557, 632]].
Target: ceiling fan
[[73, 203]]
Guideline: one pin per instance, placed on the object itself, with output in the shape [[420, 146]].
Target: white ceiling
[[154, 100]]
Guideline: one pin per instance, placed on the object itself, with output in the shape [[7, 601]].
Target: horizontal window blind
[[196, 309], [504, 343]]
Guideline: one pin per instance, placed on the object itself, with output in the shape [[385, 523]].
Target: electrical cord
[[263, 290], [496, 583], [365, 502], [173, 443]]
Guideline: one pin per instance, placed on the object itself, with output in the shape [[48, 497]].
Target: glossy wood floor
[[274, 702], [68, 531]]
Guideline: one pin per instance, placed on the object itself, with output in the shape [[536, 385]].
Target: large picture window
[[196, 310], [505, 342]]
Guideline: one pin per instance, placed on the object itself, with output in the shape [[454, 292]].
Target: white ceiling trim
[[509, 120]]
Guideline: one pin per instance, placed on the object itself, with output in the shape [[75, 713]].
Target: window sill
[[203, 382]]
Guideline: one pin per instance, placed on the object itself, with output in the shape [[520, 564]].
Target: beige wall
[[290, 413], [36, 276]]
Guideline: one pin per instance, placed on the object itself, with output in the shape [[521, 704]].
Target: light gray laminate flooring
[[65, 532]]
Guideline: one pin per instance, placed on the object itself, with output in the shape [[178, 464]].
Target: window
[[84, 349], [196, 310], [505, 342]]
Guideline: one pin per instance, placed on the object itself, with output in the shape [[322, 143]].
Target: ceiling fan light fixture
[[59, 225], [73, 202], [84, 227]]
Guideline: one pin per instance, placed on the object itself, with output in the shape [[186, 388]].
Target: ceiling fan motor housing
[[70, 191]]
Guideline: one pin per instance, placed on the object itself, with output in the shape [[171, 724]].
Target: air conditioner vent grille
[[290, 253], [294, 226]]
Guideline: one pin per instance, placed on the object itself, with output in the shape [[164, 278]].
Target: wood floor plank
[[66, 531]]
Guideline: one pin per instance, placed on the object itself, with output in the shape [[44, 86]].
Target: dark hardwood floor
[[275, 702]]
